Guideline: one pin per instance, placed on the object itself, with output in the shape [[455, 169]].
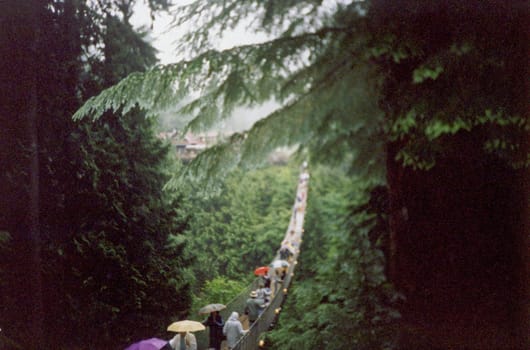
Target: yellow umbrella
[[186, 326]]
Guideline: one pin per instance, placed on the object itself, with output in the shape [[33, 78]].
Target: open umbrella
[[279, 263], [148, 344], [261, 271], [186, 326], [211, 308]]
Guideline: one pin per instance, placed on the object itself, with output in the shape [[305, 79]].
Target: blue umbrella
[[148, 344]]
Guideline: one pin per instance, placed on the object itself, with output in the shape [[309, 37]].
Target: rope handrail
[[270, 313]]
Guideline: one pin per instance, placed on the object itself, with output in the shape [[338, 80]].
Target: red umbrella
[[261, 271]]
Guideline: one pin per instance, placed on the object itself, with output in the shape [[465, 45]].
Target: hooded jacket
[[233, 329]]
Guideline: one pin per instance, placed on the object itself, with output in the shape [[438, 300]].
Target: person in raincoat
[[254, 307], [216, 323], [233, 329], [184, 341], [279, 274], [263, 293]]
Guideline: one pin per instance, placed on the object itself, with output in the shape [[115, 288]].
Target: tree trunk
[[37, 320], [523, 244]]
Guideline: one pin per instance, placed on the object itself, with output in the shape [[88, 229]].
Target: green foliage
[[423, 73], [462, 79], [218, 290], [341, 298], [123, 221], [238, 227]]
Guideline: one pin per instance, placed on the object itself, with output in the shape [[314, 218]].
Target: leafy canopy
[[350, 76]]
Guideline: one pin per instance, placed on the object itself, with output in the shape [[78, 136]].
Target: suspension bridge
[[269, 316]]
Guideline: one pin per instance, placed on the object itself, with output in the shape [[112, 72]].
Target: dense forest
[[413, 116]]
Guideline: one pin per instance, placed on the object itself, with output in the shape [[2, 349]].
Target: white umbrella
[[276, 264], [211, 308]]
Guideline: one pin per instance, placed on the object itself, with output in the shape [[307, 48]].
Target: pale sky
[[164, 37]]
